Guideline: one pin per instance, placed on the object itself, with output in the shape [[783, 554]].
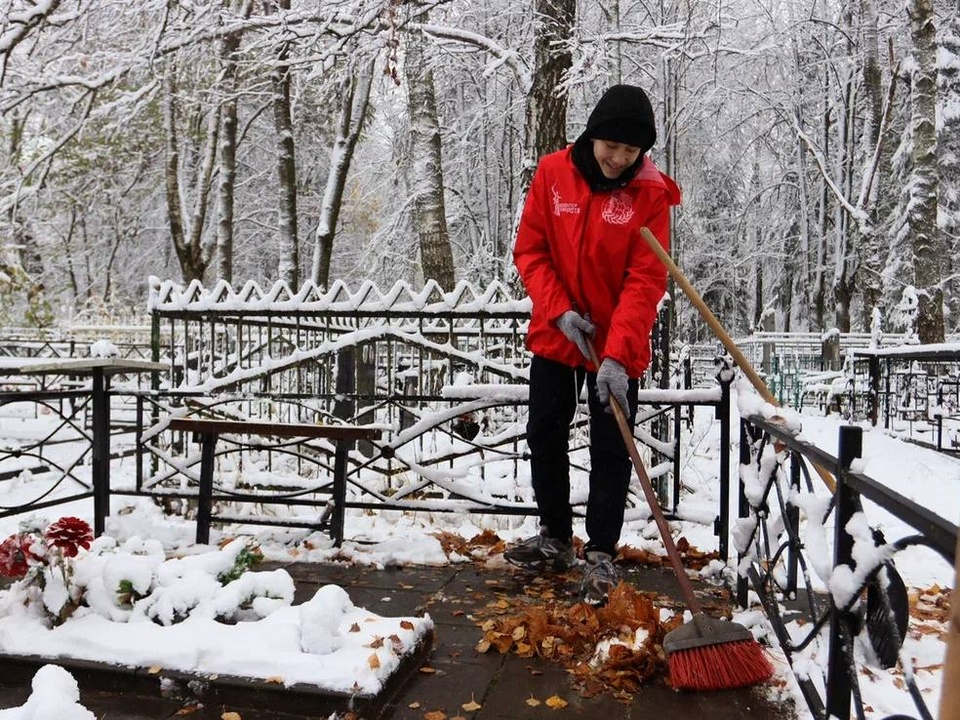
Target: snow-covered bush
[[63, 569]]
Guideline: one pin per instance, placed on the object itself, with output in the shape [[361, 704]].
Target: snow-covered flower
[[69, 534]]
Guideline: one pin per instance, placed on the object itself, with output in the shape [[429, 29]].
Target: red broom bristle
[[719, 667]]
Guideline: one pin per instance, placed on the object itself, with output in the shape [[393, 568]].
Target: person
[[591, 277]]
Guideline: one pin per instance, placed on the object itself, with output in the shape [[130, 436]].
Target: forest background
[[817, 143]]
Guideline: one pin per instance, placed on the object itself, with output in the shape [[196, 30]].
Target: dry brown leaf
[[230, 716], [154, 669], [427, 670], [274, 680], [532, 701], [556, 702], [188, 710], [406, 625], [377, 642], [471, 706], [355, 627], [373, 661], [414, 705], [435, 715]]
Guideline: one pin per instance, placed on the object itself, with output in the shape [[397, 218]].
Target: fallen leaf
[[556, 702], [471, 706], [427, 670], [435, 715], [188, 710], [373, 661], [231, 716], [414, 705], [274, 679], [377, 642], [355, 627], [532, 701], [154, 669]]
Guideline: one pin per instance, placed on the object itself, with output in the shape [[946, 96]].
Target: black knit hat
[[624, 114]]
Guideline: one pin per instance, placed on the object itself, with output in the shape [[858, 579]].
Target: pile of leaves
[[479, 547], [616, 647], [930, 611], [488, 544]]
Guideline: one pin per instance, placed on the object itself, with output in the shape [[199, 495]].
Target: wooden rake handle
[[686, 588], [738, 357]]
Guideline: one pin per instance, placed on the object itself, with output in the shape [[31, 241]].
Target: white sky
[[328, 640]]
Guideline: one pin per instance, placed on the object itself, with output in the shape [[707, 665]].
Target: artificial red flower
[[15, 556], [69, 534]]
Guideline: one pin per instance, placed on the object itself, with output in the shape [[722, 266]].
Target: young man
[[591, 276]]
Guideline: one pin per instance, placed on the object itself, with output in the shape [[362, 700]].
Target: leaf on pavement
[[555, 702]]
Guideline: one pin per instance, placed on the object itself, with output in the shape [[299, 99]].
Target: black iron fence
[[867, 601]]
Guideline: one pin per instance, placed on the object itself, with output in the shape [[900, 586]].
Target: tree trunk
[[354, 101], [546, 121], [922, 218], [869, 250], [289, 265], [429, 213], [228, 150], [948, 161]]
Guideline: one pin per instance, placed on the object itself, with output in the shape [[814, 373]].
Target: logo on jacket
[[618, 210], [560, 207]]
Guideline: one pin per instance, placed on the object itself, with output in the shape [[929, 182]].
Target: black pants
[[554, 393]]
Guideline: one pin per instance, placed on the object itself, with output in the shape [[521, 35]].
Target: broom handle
[[738, 357], [686, 588]]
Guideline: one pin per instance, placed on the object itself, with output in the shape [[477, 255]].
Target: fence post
[[723, 414], [839, 682], [830, 351], [873, 369], [743, 509]]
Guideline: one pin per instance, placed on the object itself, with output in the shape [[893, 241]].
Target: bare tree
[[354, 103], [429, 213], [228, 146], [922, 216], [546, 122]]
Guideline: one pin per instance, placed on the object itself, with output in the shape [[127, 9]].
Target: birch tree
[[354, 104], [429, 213]]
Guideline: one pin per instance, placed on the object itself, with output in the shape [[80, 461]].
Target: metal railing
[[774, 480]]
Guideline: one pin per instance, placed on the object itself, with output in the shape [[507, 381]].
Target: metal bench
[[209, 430]]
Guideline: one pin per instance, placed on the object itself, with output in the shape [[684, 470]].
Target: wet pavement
[[435, 683]]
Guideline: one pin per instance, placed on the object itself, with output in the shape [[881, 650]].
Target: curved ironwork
[[783, 522]]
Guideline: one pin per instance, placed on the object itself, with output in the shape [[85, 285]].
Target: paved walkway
[[500, 684]]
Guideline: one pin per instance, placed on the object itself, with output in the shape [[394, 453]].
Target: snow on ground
[[327, 640]]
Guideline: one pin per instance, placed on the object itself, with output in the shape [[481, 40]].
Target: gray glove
[[577, 329], [612, 381]]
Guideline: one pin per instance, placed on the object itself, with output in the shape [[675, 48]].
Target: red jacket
[[581, 250]]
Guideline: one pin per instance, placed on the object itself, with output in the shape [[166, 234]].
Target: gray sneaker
[[599, 578], [541, 552]]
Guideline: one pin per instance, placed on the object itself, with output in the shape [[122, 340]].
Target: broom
[[705, 654], [885, 642]]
